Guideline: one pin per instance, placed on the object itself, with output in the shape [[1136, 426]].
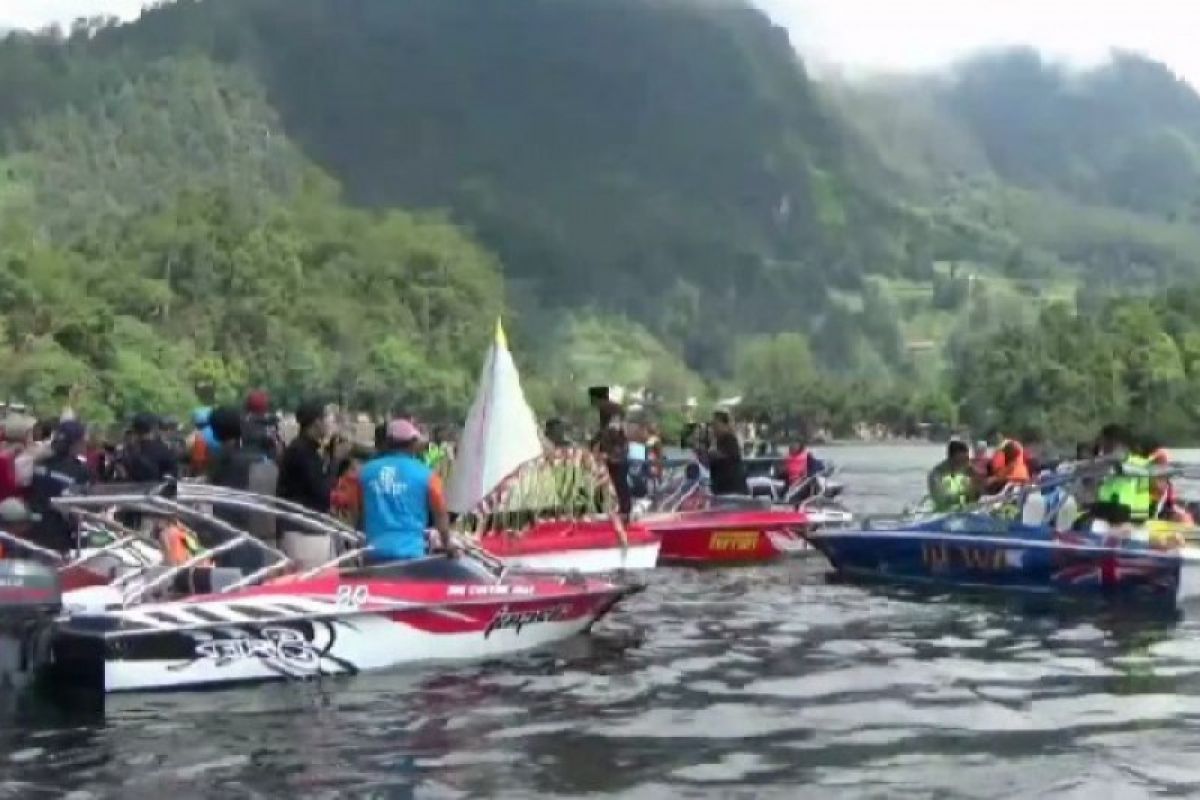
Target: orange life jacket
[[346, 498], [1003, 472], [198, 454], [180, 546]]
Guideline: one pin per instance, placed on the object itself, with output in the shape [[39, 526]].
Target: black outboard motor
[[30, 599], [29, 591]]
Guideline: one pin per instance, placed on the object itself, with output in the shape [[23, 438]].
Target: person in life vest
[[180, 545], [952, 483], [1125, 495], [345, 501], [801, 465], [1007, 467], [437, 450], [1164, 501]]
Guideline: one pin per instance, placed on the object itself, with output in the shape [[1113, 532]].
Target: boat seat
[[432, 569]]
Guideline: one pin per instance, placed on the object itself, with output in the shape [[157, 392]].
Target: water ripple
[[756, 683]]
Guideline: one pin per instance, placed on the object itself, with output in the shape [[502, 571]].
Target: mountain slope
[[634, 155]]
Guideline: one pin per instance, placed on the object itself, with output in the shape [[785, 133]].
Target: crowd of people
[[634, 454], [391, 491], [1121, 476]]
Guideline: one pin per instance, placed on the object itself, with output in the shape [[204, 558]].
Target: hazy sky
[[890, 34], [905, 34]]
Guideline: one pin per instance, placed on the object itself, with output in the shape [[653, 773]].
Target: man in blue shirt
[[399, 494]]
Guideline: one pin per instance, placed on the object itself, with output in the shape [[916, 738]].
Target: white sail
[[501, 432]]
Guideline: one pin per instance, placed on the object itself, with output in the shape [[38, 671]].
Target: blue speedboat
[[982, 551]]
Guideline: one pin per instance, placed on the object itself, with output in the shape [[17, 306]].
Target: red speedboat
[[697, 527], [728, 536]]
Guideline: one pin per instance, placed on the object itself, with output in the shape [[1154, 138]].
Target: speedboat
[[528, 507], [334, 622], [697, 527], [1026, 553], [197, 625]]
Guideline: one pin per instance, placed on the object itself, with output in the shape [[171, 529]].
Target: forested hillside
[[660, 158], [334, 196]]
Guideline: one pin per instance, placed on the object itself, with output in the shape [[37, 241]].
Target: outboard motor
[[30, 599], [29, 591]]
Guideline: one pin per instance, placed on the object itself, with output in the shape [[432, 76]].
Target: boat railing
[[154, 502], [24, 545], [180, 503], [796, 493], [334, 563], [278, 507], [677, 495], [124, 540]]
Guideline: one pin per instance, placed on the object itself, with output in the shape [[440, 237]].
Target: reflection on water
[[766, 682]]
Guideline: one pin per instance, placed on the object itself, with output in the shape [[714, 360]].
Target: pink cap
[[401, 430]]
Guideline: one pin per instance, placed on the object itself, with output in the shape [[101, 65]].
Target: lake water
[[756, 683]]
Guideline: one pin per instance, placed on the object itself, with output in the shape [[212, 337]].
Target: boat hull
[[1004, 562], [322, 627], [589, 561], [566, 546], [725, 537]]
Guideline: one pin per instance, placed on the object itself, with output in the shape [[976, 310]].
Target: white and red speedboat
[[337, 622], [528, 507], [195, 625]]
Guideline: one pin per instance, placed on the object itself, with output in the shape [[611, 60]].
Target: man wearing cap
[[399, 495], [63, 470]]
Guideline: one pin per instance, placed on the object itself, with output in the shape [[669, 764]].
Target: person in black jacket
[[65, 469], [304, 472], [147, 458], [727, 473]]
